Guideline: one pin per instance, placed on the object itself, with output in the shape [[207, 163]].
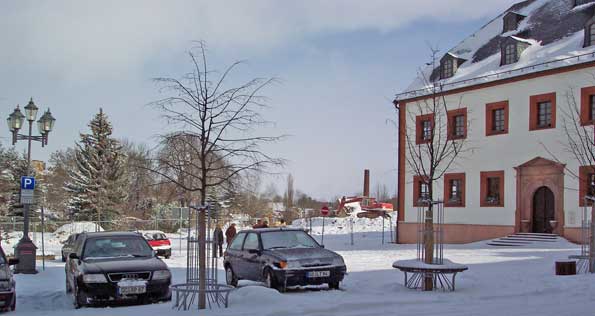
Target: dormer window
[[449, 65], [510, 54], [590, 34], [447, 69], [511, 21], [511, 49]]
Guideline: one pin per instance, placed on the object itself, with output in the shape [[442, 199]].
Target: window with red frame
[[492, 189], [454, 189], [457, 124]]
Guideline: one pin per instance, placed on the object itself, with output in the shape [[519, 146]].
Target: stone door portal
[[540, 197], [543, 210]]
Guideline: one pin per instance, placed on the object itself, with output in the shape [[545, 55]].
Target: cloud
[[93, 38]]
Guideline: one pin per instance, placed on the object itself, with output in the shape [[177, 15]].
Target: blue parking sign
[[27, 183]]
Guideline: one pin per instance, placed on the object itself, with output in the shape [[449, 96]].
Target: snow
[[500, 281], [342, 225], [417, 264], [77, 227]]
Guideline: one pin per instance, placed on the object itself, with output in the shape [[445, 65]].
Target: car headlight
[[5, 285], [338, 261], [161, 275], [94, 278], [288, 264]]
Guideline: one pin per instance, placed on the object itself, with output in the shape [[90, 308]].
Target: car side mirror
[[13, 261], [73, 255]]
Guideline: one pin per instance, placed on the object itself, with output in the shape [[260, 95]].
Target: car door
[[72, 265], [234, 254], [251, 257]]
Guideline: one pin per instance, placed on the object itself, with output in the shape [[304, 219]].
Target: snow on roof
[[553, 28], [522, 40]]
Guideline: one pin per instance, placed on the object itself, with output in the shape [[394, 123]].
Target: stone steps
[[523, 239]]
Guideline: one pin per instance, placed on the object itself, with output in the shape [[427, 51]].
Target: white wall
[[504, 152]]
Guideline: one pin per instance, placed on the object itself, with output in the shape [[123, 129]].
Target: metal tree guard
[[186, 295], [586, 259], [439, 271], [436, 230]]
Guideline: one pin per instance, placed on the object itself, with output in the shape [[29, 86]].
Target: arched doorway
[[544, 210]]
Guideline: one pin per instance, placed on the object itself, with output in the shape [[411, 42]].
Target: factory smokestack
[[367, 183]]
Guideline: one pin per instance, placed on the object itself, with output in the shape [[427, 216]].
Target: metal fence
[[69, 227]]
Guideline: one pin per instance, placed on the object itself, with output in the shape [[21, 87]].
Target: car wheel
[[230, 277], [334, 285], [271, 282]]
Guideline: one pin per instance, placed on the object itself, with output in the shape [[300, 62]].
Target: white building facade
[[515, 173]]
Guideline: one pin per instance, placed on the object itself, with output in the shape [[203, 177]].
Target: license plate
[[319, 274], [128, 290]]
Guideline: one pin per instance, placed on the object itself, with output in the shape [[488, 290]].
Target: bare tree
[[431, 150], [579, 143], [578, 129], [217, 125]]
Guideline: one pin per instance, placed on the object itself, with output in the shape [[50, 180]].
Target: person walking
[[230, 233], [218, 241]]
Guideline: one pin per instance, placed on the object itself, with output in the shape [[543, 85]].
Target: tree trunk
[[202, 258], [429, 240]]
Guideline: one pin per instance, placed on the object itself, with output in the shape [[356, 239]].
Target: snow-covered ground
[[516, 281], [52, 241]]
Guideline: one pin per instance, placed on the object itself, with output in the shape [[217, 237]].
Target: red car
[[159, 242]]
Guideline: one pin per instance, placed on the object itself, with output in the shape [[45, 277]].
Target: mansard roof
[[554, 29]]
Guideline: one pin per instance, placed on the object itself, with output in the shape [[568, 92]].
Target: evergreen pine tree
[[97, 184]]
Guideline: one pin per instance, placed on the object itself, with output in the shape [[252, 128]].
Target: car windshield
[[287, 239], [115, 247]]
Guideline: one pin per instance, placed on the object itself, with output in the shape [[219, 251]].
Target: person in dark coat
[[258, 224], [230, 233], [218, 241]]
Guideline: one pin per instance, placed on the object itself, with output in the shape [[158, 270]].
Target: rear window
[[159, 236]]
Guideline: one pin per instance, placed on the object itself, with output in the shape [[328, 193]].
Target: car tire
[[271, 282], [334, 285], [230, 277]]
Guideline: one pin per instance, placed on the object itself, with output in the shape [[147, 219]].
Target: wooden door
[[543, 210]]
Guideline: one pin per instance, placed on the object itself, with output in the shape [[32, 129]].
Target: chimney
[[367, 183]]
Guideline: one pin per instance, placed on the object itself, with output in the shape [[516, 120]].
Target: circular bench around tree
[[443, 275]]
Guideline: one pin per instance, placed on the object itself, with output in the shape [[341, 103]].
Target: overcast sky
[[340, 63]]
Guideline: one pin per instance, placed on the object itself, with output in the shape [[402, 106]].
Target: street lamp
[[25, 249]]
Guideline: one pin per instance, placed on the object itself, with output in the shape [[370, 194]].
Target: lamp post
[[25, 250]]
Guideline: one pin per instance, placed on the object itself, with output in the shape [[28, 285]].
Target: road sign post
[[25, 250]]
